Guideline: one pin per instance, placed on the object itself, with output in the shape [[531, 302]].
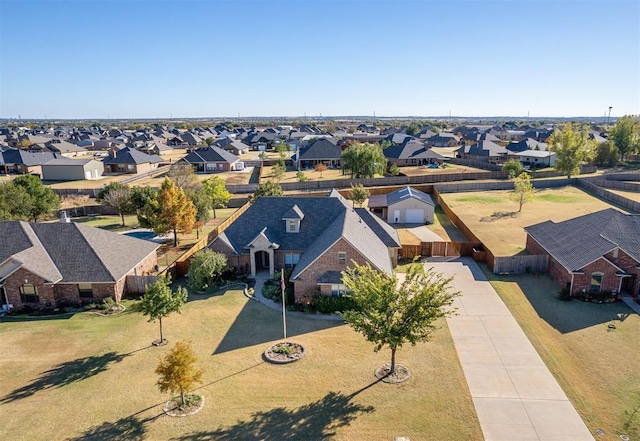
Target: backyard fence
[[520, 264], [609, 196], [440, 249], [138, 284], [627, 176]]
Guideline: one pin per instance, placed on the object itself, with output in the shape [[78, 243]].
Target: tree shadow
[[455, 235], [129, 428], [499, 215], [245, 331], [66, 373], [318, 420]]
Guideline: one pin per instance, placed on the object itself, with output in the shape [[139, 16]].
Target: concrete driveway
[[515, 395]]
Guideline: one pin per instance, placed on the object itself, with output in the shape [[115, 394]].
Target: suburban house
[[591, 253], [24, 162], [412, 152], [526, 144], [130, 160], [443, 140], [213, 159], [66, 169], [536, 158], [404, 206], [322, 151], [60, 147], [233, 146], [483, 150], [45, 264], [316, 237]]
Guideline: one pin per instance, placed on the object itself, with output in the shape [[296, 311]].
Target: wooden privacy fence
[[441, 249], [138, 284], [607, 195], [520, 264]]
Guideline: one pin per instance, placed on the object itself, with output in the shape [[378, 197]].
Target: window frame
[[342, 257], [29, 297], [82, 292], [596, 288]]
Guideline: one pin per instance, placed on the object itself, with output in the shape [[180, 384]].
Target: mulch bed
[[401, 374], [284, 352], [172, 407]]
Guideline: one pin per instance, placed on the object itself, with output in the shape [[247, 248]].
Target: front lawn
[[90, 377], [596, 366]]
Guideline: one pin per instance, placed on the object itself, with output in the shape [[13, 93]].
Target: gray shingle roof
[[577, 242], [408, 192], [129, 155], [210, 154], [71, 252], [320, 149], [17, 156]]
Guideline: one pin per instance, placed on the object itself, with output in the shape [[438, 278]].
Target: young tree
[[391, 313], [606, 154], [206, 268], [282, 147], [159, 301], [178, 371], [513, 167], [523, 190], [278, 171], [320, 168], [40, 200], [141, 199], [358, 194], [119, 199], [217, 192], [202, 202], [184, 176], [572, 147], [301, 176], [394, 170], [363, 160], [171, 211], [625, 135], [210, 141], [269, 188], [14, 202]]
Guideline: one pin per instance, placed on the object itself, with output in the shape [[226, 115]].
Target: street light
[[608, 117]]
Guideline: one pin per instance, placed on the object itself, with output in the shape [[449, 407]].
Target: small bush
[[282, 349], [564, 294], [90, 306], [329, 304], [272, 292]]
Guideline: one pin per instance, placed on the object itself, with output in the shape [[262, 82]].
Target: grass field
[[596, 366], [91, 378], [494, 219], [627, 194], [444, 228]]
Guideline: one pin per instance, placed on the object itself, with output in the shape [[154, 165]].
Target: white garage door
[[414, 216]]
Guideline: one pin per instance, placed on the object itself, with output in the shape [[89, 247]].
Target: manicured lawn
[[494, 218], [90, 377], [596, 366]]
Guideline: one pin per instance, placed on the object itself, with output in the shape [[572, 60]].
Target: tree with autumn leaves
[[171, 211]]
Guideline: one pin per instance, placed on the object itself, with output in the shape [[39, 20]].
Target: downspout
[[571, 287]]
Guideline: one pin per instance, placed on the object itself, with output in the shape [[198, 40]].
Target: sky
[[101, 59]]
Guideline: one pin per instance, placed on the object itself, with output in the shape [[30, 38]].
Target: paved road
[[515, 395]]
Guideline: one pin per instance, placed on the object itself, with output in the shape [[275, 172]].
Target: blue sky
[[162, 59]]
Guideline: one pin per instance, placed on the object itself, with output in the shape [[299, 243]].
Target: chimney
[[64, 219]]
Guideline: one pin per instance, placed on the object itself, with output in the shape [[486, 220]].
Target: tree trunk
[[175, 238], [161, 339], [182, 396], [122, 217], [393, 361], [214, 211]]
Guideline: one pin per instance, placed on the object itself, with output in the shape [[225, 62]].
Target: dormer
[[292, 219]]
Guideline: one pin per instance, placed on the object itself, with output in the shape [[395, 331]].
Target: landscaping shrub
[[330, 304], [206, 268], [564, 294]]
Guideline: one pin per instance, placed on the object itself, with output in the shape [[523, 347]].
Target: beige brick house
[[47, 264], [591, 253], [316, 237]]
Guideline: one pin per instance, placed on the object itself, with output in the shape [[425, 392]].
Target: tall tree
[[523, 190], [606, 154], [141, 199], [358, 194], [118, 198], [572, 147], [215, 188], [41, 200], [160, 301], [268, 188], [282, 147], [210, 141], [390, 313], [363, 160], [178, 371], [14, 202], [184, 176], [625, 135], [171, 211]]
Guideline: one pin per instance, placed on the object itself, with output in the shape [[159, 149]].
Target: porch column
[[252, 257], [271, 262]]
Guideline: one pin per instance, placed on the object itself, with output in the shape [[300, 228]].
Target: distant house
[[23, 162], [233, 146], [47, 264], [412, 152], [591, 253], [536, 158], [66, 169], [213, 159], [404, 206], [321, 151], [316, 237], [443, 140], [191, 139], [129, 160], [483, 150], [526, 144]]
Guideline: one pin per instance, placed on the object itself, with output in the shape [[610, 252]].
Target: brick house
[[316, 237], [591, 253], [46, 264], [129, 160], [213, 159]]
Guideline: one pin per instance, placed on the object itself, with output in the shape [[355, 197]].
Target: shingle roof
[[411, 149], [17, 156], [129, 155], [294, 213], [71, 252], [333, 277], [408, 192], [210, 154], [320, 149], [577, 242]]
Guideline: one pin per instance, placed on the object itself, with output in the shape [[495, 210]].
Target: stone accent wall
[[306, 285]]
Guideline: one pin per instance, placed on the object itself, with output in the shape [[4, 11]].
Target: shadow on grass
[[314, 421], [68, 373], [129, 428], [499, 215], [257, 324], [565, 316], [455, 235]]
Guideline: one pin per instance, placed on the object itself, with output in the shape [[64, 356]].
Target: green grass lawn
[[596, 366], [90, 377]]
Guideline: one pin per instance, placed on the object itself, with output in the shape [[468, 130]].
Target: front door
[[262, 260], [627, 284]]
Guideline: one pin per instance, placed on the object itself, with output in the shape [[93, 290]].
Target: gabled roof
[[69, 161], [483, 148], [210, 154], [18, 156], [294, 213], [129, 155], [70, 252], [322, 148], [408, 192], [577, 242], [526, 144], [411, 148]]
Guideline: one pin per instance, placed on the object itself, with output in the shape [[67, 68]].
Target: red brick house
[[591, 253], [213, 159], [316, 237], [47, 264]]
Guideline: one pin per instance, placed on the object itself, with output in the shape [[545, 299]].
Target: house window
[[85, 290], [293, 226], [29, 293], [338, 290], [342, 258], [596, 282], [290, 260], [211, 166]]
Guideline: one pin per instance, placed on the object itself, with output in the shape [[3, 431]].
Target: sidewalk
[[515, 395]]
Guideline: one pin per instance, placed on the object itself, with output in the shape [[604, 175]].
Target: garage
[[414, 216]]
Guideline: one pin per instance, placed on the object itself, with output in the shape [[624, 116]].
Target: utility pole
[[609, 116]]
